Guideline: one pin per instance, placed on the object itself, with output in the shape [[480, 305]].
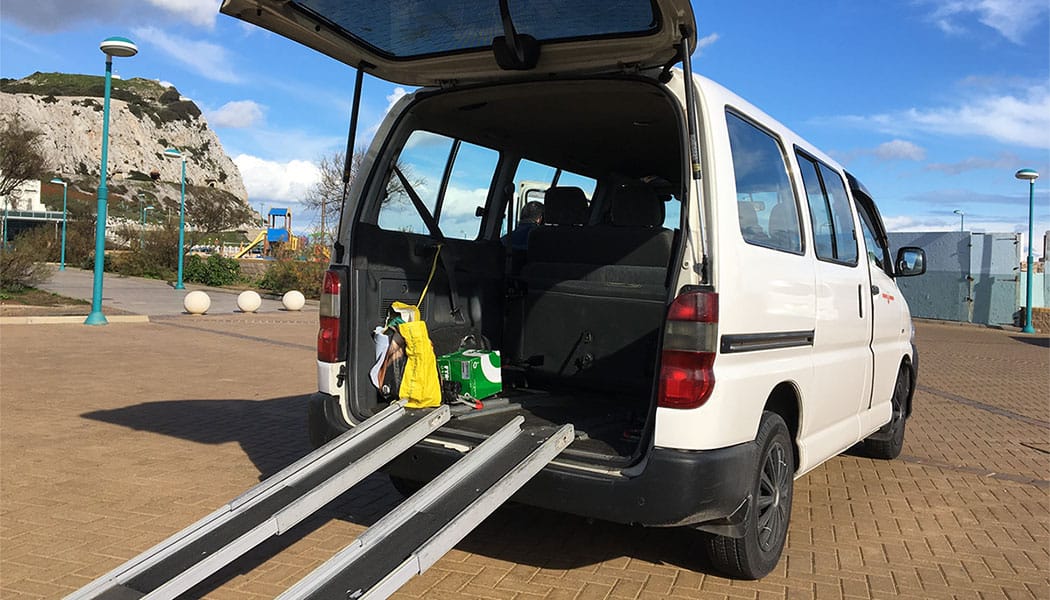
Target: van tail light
[[329, 335], [688, 356]]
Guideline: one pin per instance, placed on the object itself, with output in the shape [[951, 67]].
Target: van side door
[[889, 337], [842, 360]]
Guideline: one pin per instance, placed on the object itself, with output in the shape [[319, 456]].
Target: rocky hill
[[145, 118]]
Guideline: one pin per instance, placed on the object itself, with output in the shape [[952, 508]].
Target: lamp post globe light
[[124, 48], [174, 153], [962, 219], [1029, 175], [65, 188]]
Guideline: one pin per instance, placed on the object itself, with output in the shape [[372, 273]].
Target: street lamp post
[[173, 153], [1029, 175], [122, 47], [142, 224], [962, 219], [65, 188]]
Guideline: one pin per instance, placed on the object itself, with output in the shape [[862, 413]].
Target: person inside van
[[531, 217], [518, 240]]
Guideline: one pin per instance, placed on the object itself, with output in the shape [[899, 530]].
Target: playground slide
[[258, 240]]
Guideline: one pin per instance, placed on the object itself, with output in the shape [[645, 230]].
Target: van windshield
[[426, 27]]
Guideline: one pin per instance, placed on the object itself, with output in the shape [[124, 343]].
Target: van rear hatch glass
[[426, 27], [427, 42]]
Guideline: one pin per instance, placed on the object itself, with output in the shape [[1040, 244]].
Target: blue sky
[[934, 104]]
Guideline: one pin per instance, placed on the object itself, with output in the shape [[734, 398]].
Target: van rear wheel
[[756, 553]]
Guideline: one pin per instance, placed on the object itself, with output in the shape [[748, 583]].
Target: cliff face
[[145, 118]]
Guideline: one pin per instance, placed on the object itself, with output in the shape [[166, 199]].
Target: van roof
[[715, 94]]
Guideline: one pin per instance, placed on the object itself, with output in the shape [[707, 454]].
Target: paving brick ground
[[113, 438]]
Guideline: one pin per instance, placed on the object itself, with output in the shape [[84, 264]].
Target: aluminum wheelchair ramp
[[270, 508], [424, 527]]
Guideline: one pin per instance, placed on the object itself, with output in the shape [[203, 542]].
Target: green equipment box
[[476, 371]]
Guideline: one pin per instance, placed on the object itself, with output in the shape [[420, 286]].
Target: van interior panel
[[578, 321]]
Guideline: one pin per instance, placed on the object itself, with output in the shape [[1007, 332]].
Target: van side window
[[766, 203], [829, 209], [452, 179], [467, 189], [532, 179], [876, 252], [841, 215]]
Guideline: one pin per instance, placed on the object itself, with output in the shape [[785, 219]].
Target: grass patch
[[34, 297]]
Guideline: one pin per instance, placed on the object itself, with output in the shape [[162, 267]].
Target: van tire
[[891, 441], [757, 553]]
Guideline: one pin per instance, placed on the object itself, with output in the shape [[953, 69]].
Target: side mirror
[[911, 261]]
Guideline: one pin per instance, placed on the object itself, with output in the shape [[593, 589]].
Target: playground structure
[[277, 235]]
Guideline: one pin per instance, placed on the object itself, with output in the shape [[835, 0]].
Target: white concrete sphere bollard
[[293, 300], [249, 301], [197, 302]]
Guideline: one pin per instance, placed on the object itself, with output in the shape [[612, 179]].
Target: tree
[[210, 211], [21, 158], [326, 196]]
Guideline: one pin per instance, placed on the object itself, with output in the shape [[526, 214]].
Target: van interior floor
[[608, 428]]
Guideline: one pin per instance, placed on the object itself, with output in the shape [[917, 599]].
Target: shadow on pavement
[[273, 434], [1042, 342]]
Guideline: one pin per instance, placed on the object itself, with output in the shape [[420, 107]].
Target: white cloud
[[462, 203], [398, 93], [1022, 119], [198, 12], [236, 114], [973, 222], [704, 42], [1005, 160], [911, 223], [59, 15], [209, 60], [899, 150], [1011, 18], [272, 181]]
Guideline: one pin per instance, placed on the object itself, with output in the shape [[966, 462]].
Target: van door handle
[[874, 290]]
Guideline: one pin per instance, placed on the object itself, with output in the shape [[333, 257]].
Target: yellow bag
[[420, 384]]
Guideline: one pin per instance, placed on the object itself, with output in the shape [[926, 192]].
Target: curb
[[70, 320]]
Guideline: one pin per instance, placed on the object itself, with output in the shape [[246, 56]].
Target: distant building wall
[[970, 277], [25, 197]]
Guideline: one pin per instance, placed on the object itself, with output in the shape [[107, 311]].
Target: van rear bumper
[[670, 488], [674, 488]]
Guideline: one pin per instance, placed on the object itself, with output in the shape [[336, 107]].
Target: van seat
[[636, 206], [596, 297], [564, 206]]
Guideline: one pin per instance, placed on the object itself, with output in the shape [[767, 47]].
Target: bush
[[22, 261], [136, 263], [215, 270], [285, 275]]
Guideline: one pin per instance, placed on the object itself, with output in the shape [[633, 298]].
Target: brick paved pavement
[[113, 438]]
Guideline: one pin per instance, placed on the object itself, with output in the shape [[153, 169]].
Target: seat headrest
[[564, 206], [636, 206]]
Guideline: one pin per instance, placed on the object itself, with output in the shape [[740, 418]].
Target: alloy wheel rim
[[774, 497]]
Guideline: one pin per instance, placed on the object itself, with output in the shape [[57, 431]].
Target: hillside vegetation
[[145, 97]]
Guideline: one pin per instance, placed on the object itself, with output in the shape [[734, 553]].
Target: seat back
[[565, 206]]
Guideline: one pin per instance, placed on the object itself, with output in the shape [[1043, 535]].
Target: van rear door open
[[436, 43]]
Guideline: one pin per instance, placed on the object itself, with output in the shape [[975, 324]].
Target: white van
[[709, 300]]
